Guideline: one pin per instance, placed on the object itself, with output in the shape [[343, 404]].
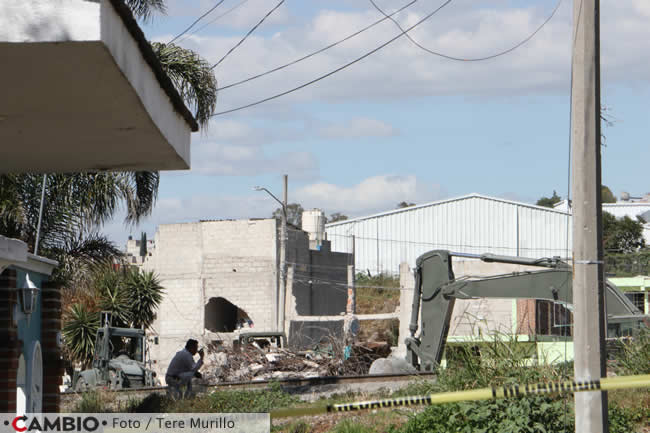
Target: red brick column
[[526, 316], [53, 367], [9, 344]]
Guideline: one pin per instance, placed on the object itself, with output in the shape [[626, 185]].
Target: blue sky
[[402, 124]]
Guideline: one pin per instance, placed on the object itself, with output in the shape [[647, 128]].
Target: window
[[637, 298]]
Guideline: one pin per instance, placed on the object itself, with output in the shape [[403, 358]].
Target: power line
[[336, 70], [248, 34], [196, 21], [218, 17], [254, 77], [470, 59]]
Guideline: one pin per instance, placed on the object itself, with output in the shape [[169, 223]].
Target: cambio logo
[[60, 424]]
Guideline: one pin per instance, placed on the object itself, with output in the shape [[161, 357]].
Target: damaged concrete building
[[222, 278]]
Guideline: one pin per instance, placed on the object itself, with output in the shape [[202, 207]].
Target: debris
[[331, 358]]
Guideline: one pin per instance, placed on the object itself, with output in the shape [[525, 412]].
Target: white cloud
[[374, 194], [233, 159], [401, 71], [357, 128]]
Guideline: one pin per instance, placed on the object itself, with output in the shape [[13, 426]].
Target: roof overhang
[[13, 252], [83, 91]]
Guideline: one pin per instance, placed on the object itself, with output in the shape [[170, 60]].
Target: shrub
[[634, 355], [527, 414]]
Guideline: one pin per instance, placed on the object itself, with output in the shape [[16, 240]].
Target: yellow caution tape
[[506, 391]]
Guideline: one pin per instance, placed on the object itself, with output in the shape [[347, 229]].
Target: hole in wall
[[222, 315]]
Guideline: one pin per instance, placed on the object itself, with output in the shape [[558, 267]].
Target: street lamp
[[283, 252]]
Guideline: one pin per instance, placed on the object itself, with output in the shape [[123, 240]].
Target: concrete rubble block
[[391, 366]]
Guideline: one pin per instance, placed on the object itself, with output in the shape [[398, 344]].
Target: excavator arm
[[436, 290]]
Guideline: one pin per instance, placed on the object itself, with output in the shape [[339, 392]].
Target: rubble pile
[[252, 362]]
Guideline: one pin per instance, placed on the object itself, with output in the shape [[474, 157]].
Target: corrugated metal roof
[[471, 224], [439, 202]]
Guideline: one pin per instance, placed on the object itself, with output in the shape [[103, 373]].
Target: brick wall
[[9, 344], [53, 367]]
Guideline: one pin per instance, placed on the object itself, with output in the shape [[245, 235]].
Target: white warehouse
[[469, 224]]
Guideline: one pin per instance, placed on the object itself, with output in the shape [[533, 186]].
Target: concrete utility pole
[[282, 281], [588, 289], [283, 253]]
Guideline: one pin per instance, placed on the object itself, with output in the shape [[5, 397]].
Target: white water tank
[[313, 222]]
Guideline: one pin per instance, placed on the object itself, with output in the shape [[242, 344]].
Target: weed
[[528, 414], [94, 401], [634, 354], [348, 426]]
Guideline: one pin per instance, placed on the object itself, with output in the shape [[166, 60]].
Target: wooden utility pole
[[590, 327]]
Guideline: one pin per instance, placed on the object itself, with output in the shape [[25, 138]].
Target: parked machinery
[[120, 360]]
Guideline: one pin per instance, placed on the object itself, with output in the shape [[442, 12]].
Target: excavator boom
[[436, 290]]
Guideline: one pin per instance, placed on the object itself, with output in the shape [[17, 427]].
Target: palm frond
[[80, 257], [192, 77], [145, 293], [139, 189], [143, 9], [79, 331], [114, 296]]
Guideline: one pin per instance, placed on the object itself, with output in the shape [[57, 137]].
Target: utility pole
[[588, 289], [282, 281], [283, 253]]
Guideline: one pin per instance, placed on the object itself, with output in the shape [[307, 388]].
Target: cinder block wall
[[232, 260], [237, 261], [318, 279]]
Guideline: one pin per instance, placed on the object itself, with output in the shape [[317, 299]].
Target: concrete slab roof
[[84, 91]]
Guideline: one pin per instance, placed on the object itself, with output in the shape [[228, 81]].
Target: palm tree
[[79, 334], [132, 296], [76, 206], [145, 295]]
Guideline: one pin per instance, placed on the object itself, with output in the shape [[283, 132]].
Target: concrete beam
[[85, 92]]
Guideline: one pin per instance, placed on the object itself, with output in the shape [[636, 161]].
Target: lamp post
[[283, 251]]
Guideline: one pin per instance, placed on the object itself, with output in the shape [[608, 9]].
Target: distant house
[[133, 250]]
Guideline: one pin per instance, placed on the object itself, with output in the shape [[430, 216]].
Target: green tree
[[145, 295], [336, 217], [606, 195], [549, 201], [294, 214], [404, 204], [622, 234], [79, 332], [76, 206], [132, 296]]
